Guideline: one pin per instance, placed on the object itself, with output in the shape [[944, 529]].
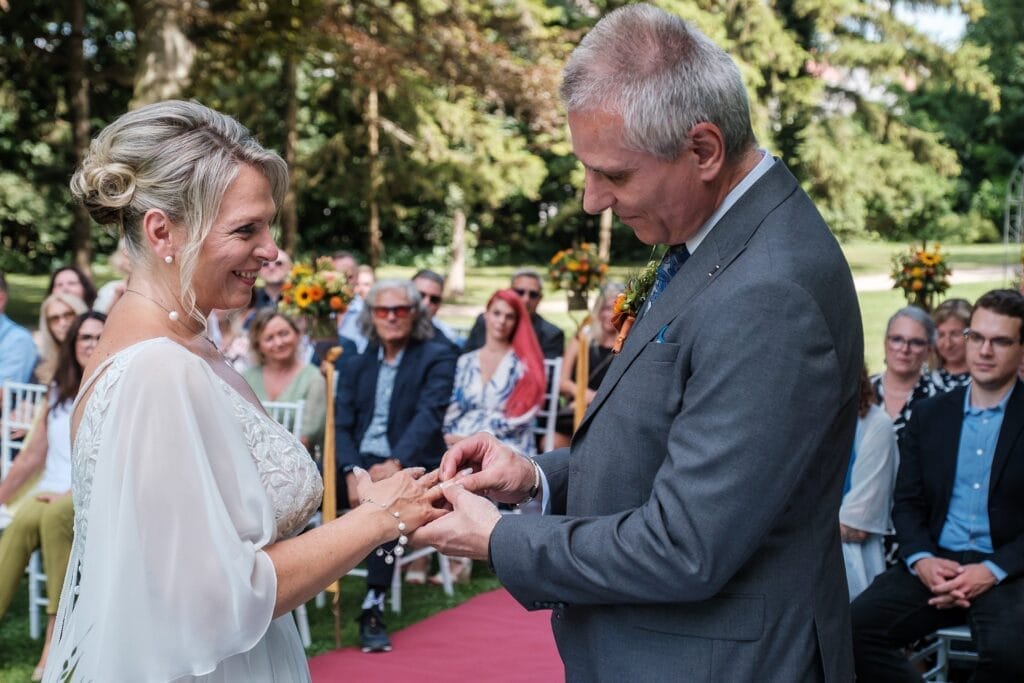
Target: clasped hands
[[953, 584], [474, 472]]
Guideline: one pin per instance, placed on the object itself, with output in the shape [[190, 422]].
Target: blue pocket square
[[660, 339]]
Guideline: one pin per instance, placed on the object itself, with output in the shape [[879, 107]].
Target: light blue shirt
[[348, 326], [17, 352], [967, 523], [375, 440]]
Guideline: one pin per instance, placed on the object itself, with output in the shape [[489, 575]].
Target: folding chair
[[20, 404], [36, 595], [544, 425]]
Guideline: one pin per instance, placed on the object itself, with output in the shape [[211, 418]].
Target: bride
[[188, 498]]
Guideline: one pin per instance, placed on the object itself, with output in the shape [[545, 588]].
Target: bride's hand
[[409, 492]]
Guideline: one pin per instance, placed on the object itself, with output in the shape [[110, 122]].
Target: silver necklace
[[171, 314]]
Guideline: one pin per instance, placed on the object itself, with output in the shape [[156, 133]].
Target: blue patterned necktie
[[670, 264]]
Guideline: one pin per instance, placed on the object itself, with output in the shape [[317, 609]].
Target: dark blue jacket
[[423, 389]]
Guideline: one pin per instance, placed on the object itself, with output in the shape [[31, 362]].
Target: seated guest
[[349, 326], [528, 286], [280, 375], [43, 519], [228, 334], [430, 285], [388, 410], [17, 351], [274, 274], [865, 514], [498, 388], [909, 338], [70, 280], [602, 338], [110, 292], [959, 515], [56, 315], [951, 319]]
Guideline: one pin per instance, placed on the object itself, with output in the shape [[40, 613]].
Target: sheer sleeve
[[173, 577]]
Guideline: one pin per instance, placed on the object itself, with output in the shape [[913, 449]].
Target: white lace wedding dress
[[179, 483]]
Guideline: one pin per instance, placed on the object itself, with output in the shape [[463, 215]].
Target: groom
[[692, 530]]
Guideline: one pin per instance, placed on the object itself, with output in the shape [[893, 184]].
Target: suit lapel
[[721, 247], [947, 434], [1009, 434]]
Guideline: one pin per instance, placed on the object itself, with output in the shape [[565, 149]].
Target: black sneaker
[[373, 635]]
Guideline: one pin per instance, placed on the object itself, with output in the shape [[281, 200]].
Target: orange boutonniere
[[630, 302]]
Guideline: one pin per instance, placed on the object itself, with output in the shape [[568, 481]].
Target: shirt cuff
[[545, 498], [914, 558], [996, 570]]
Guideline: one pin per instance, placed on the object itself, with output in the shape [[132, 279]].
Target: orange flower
[[316, 292], [916, 285], [337, 304], [620, 301]]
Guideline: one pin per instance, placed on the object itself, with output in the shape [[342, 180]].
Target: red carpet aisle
[[487, 638]]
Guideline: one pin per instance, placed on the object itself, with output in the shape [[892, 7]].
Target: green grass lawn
[[19, 653]]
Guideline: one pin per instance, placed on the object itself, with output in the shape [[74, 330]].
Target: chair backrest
[[21, 403], [286, 413], [544, 425]]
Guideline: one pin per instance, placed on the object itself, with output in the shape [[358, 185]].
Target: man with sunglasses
[[528, 285], [959, 514], [17, 350], [390, 405], [273, 273], [430, 285]]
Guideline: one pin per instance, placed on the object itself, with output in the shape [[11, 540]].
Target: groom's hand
[[497, 471], [466, 530]]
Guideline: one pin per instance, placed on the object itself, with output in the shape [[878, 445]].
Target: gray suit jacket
[[695, 526]]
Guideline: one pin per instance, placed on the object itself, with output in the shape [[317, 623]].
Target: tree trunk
[[376, 249], [166, 54], [78, 89], [457, 274], [604, 239], [289, 212]]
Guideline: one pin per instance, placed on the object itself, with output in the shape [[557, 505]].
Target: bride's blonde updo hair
[[176, 156]]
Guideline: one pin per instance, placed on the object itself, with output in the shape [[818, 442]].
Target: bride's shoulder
[[158, 358]]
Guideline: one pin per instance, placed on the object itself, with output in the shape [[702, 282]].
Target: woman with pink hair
[[499, 387]]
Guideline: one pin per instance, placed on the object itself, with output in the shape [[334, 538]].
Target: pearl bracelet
[[390, 555]]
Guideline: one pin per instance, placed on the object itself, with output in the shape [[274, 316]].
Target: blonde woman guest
[[56, 315], [865, 516], [952, 317], [43, 517], [280, 375], [602, 338], [188, 498], [909, 339]]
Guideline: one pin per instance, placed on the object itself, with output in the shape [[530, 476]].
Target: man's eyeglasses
[[432, 298], [87, 338], [975, 339], [57, 317], [915, 343], [532, 293], [385, 312]]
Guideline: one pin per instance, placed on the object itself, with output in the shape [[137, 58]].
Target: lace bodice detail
[[289, 476]]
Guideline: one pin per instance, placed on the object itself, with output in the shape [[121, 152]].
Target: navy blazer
[[924, 485], [423, 389]]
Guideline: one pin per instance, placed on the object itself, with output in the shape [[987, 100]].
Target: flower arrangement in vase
[[922, 274], [317, 293], [577, 270]]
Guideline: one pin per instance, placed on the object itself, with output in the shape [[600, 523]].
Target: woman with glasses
[[56, 314], [279, 374], [909, 339], [44, 515], [951, 318]]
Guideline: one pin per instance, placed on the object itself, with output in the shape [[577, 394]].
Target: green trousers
[[37, 525]]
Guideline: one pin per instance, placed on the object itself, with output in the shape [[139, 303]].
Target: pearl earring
[[168, 259]]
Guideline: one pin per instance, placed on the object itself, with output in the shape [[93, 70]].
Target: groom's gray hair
[[662, 76]]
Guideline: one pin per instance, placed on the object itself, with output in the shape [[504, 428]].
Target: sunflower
[[302, 296]]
